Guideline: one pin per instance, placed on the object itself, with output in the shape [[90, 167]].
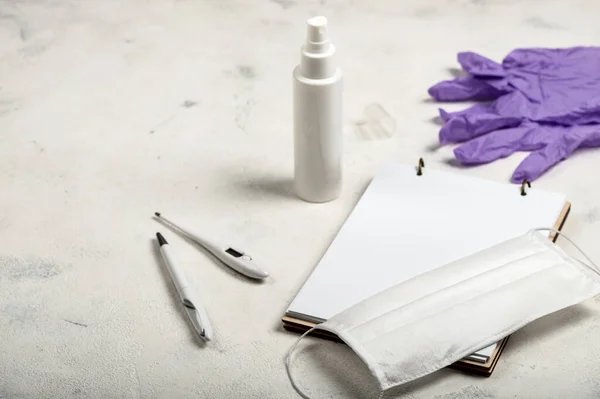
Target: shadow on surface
[[455, 163], [548, 325], [433, 147], [437, 120], [457, 72], [255, 184], [406, 390], [270, 185]]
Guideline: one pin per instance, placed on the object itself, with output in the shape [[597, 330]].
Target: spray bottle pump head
[[317, 59], [316, 37]]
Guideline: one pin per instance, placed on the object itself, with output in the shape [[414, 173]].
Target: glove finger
[[511, 104], [472, 110], [493, 146], [464, 88], [469, 126], [507, 111], [480, 66], [537, 163], [565, 142], [592, 137]]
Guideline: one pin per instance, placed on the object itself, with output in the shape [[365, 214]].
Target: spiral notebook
[[407, 223]]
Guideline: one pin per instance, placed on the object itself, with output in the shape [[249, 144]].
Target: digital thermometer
[[234, 258]]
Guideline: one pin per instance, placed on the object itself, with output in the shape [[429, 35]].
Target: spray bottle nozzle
[[316, 38], [317, 59]]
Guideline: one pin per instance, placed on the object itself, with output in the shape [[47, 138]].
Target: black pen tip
[[161, 239], [157, 214]]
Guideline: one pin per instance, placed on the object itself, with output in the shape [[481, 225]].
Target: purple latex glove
[[540, 74], [514, 109], [549, 144], [558, 86]]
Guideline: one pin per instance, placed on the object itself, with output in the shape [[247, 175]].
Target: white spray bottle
[[317, 118]]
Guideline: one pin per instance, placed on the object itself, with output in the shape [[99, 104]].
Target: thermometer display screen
[[233, 252]]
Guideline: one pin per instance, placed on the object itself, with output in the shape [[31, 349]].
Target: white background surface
[[111, 110]]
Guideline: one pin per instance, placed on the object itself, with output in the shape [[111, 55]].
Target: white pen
[[194, 309], [236, 259]]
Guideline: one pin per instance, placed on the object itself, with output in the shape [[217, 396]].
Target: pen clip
[[196, 322], [197, 314], [188, 304]]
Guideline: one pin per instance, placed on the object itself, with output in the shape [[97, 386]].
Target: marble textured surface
[[112, 109]]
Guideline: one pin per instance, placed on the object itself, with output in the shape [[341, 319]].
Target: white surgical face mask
[[437, 318]]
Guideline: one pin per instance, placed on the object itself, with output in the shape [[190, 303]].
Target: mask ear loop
[[288, 361], [288, 366], [590, 265]]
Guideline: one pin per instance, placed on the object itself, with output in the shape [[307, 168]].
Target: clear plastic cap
[[376, 123]]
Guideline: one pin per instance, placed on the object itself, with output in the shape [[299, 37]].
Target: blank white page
[[487, 351], [406, 224]]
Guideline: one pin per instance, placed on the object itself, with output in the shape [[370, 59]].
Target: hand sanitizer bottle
[[317, 118]]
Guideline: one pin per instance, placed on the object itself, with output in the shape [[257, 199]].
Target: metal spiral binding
[[523, 186], [420, 167]]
